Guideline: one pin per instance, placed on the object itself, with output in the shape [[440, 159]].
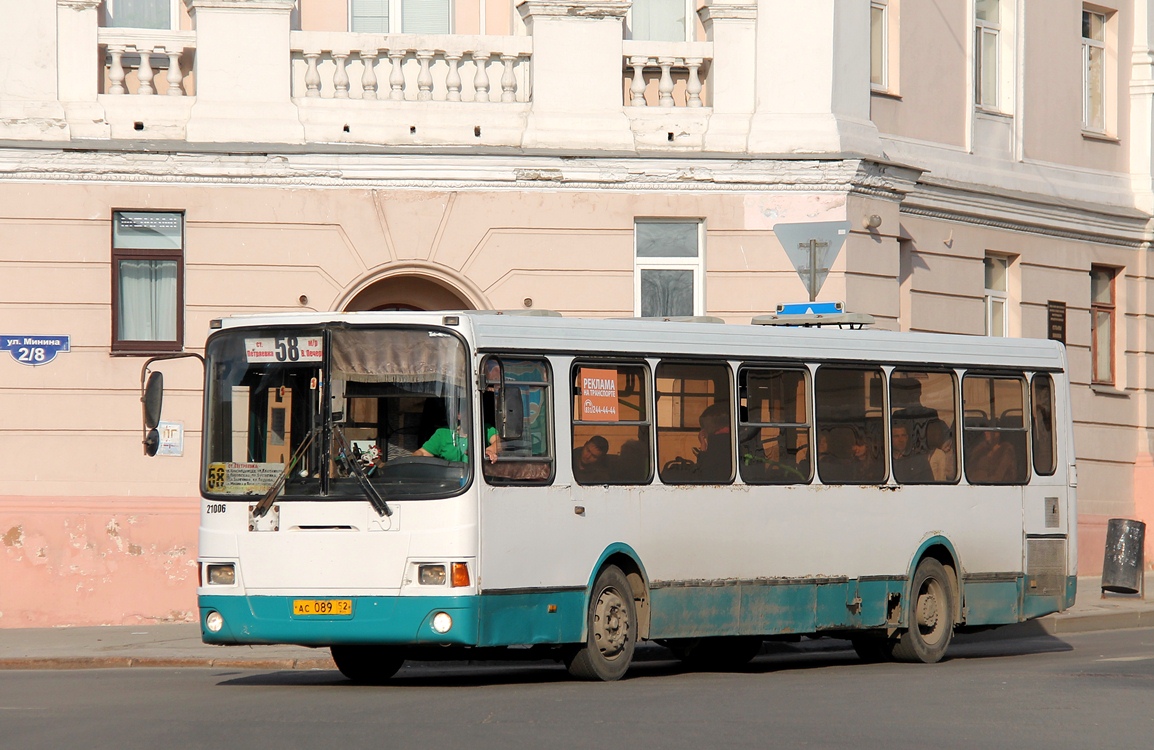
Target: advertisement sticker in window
[[598, 395]]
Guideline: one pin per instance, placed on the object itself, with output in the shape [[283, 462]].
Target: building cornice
[[727, 10], [983, 206], [611, 9], [461, 171], [79, 5], [283, 5]]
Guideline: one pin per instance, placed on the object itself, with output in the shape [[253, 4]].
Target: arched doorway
[[408, 292]]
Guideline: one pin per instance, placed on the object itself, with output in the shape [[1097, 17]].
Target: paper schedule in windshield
[[228, 478]]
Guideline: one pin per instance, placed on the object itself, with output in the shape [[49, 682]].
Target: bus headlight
[[442, 622], [214, 621], [431, 575], [222, 575]]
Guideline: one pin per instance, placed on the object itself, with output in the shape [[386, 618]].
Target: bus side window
[[1042, 424], [923, 415], [525, 449], [848, 406], [995, 442], [774, 430], [611, 424], [694, 423]]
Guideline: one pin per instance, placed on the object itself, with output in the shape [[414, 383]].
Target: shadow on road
[[652, 661]]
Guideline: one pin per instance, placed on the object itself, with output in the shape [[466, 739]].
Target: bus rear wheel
[[611, 628], [931, 615], [369, 665]]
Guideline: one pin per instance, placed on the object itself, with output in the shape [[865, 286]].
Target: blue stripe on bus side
[[524, 617], [768, 609], [686, 611]]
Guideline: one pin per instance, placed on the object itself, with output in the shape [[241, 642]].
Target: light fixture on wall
[[873, 221]]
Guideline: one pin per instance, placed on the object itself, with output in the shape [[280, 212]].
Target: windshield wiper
[[266, 502], [371, 493]]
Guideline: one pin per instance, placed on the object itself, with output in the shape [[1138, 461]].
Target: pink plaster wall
[[97, 561]]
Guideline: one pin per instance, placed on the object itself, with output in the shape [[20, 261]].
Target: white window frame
[[109, 7], [995, 297], [1005, 78], [396, 17], [1088, 45], [882, 55], [696, 265], [690, 23], [982, 29]]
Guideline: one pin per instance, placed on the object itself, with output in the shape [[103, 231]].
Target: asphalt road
[[1081, 691]]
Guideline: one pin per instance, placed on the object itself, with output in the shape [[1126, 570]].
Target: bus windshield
[[321, 410]]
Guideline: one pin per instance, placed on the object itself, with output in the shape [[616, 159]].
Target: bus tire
[[368, 665], [933, 599], [612, 630]]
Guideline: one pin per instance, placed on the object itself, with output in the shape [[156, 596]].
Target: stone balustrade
[[411, 67], [666, 74], [144, 62]]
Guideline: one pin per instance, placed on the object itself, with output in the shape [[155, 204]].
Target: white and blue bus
[[401, 485]]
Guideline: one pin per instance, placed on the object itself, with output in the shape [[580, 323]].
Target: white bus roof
[[493, 331]]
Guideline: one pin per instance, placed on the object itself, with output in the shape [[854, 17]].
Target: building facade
[[167, 162]]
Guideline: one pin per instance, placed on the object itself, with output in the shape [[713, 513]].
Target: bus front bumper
[[386, 620]]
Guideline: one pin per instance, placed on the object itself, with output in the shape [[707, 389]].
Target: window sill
[[993, 114], [152, 351], [1090, 135], [886, 94], [1108, 390]]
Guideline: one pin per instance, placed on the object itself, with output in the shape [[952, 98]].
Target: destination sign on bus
[[598, 395], [284, 349]]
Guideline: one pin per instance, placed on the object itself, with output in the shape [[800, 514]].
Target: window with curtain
[[139, 14], [147, 281], [401, 16], [659, 20], [669, 268]]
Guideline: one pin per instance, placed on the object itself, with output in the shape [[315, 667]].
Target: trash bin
[[1123, 566]]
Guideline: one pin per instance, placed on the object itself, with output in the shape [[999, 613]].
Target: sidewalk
[[179, 645]]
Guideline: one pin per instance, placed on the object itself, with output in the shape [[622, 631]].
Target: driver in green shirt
[[453, 445]]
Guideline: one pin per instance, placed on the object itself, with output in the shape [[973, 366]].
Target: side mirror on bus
[[152, 398], [510, 413]]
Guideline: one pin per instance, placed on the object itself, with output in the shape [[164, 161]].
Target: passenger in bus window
[[910, 465], [943, 461], [992, 461], [590, 465], [715, 454]]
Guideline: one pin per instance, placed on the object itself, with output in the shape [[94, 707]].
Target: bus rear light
[[460, 574], [431, 575]]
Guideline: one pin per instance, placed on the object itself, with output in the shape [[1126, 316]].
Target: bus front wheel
[[611, 628], [931, 615], [369, 665]]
